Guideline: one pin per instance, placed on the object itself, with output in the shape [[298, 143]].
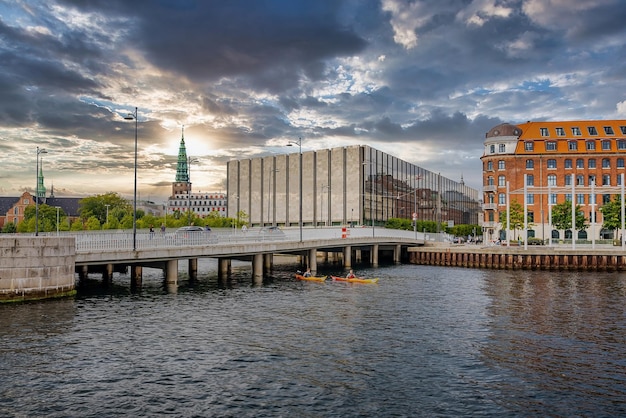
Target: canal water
[[425, 341]]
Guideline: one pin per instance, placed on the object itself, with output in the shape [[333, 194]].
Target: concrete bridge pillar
[[136, 276], [313, 260], [193, 269], [375, 255], [397, 254], [83, 272], [347, 256], [107, 274], [224, 268], [257, 268], [268, 262], [358, 255], [171, 272]]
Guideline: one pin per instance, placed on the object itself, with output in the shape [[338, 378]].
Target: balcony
[[490, 188], [490, 206]]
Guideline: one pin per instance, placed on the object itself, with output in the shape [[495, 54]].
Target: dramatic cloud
[[423, 80]]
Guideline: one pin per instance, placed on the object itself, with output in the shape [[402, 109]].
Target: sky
[[421, 80]]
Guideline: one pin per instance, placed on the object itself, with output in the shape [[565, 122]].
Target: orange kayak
[[312, 278], [354, 280]]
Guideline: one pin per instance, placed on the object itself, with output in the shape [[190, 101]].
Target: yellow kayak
[[311, 278], [354, 280]]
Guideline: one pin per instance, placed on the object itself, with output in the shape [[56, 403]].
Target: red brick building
[[550, 160]]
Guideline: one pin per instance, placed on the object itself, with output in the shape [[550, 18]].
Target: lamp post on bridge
[[189, 161], [299, 144], [134, 116]]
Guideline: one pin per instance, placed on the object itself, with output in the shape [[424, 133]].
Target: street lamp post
[[134, 116], [269, 193], [299, 144], [189, 161], [58, 207], [39, 151], [107, 218]]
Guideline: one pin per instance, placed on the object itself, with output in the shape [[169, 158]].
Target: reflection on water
[[425, 341]]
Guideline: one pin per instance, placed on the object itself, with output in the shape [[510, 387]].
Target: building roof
[[578, 129], [70, 205]]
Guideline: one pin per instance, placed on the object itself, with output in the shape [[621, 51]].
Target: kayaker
[[307, 273], [351, 275]]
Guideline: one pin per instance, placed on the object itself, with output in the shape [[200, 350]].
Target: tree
[[562, 216], [97, 206], [9, 228], [612, 213], [516, 220]]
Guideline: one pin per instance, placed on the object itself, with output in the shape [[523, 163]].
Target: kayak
[[354, 280], [312, 278]]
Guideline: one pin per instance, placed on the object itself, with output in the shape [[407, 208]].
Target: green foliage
[[96, 206], [93, 223], [9, 228], [464, 230], [407, 224], [612, 213], [516, 221], [562, 216]]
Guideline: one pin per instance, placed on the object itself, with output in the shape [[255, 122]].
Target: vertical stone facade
[[36, 267]]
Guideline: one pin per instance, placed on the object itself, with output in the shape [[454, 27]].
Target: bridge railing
[[88, 241]]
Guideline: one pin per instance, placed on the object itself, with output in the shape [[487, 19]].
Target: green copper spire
[[182, 171], [41, 189]]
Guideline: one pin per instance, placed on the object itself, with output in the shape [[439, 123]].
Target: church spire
[[182, 171], [41, 189]]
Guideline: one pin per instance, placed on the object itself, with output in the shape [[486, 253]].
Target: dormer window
[[501, 147], [528, 146], [560, 132], [592, 130], [576, 131], [544, 131], [608, 130]]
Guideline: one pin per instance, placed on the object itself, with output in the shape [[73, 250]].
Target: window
[[619, 180], [580, 163], [528, 146], [580, 199], [623, 129], [592, 179], [606, 179], [620, 163], [490, 181], [544, 131], [501, 181], [572, 145], [502, 199], [550, 146], [530, 164], [491, 216], [621, 144], [26, 202], [606, 163], [568, 163], [16, 210], [552, 198], [591, 163], [490, 198], [552, 163], [501, 147], [530, 180], [489, 165], [606, 198], [531, 219], [608, 130], [551, 179], [592, 199], [568, 197], [568, 180], [580, 180], [576, 131], [530, 199], [492, 149], [501, 165], [591, 145], [606, 145], [592, 130], [560, 132]]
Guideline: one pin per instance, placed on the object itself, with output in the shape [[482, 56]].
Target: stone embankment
[[560, 258], [36, 267]]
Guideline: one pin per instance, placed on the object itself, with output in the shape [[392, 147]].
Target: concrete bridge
[[107, 252]]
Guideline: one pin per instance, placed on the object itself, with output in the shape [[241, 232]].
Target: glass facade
[[355, 185]]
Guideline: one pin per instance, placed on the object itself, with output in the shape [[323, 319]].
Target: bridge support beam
[[193, 269], [268, 262], [171, 272], [397, 254], [136, 276], [107, 274], [374, 255], [347, 256], [224, 268], [313, 260], [257, 268], [83, 272]]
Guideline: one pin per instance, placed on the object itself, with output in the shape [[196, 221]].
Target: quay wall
[[34, 268], [518, 258]]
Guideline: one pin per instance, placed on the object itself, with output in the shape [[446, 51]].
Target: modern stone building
[[355, 185], [550, 163]]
